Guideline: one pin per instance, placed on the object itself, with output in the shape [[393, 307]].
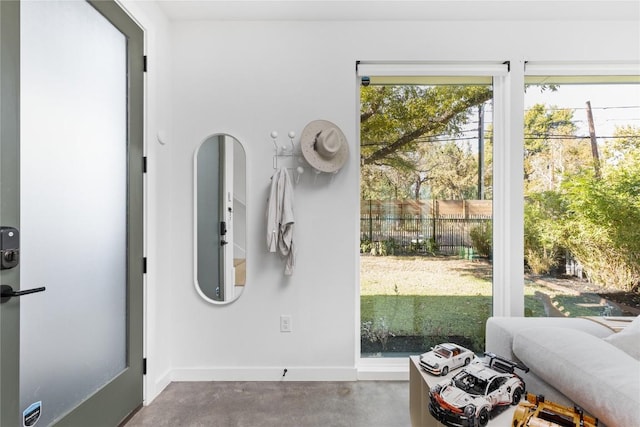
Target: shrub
[[482, 239], [376, 331], [429, 246], [542, 229], [384, 247], [596, 219], [365, 246], [601, 227]]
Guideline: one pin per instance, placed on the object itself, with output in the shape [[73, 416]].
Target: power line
[[431, 139], [534, 136], [557, 108]]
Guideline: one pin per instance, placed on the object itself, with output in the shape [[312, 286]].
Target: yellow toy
[[536, 412]]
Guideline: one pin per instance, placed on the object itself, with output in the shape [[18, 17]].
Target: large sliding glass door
[[426, 142]]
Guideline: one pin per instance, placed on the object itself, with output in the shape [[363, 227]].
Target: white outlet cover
[[285, 323]]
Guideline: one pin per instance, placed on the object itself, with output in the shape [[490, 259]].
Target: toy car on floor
[[536, 412], [445, 357], [473, 394]]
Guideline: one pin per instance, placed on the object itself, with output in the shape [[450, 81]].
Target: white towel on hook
[[280, 219]]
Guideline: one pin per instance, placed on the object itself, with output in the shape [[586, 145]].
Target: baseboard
[[383, 374], [365, 372], [383, 369], [294, 373], [156, 387]]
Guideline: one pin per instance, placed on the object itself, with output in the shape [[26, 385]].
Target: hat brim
[[307, 140]]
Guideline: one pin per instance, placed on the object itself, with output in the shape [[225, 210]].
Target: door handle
[[7, 292]]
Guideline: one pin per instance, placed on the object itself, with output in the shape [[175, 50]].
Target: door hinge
[[144, 164], [144, 366], [144, 63], [144, 265]]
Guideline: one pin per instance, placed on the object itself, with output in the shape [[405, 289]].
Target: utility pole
[[481, 152], [594, 142]]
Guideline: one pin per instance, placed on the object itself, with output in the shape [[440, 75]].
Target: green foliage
[[596, 219], [600, 226], [403, 151], [541, 123], [482, 239], [437, 318], [602, 215], [384, 247], [365, 246], [624, 150], [377, 330], [385, 183], [453, 171], [409, 151], [429, 246], [542, 212], [551, 149]]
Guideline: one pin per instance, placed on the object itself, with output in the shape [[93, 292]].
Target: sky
[[611, 105]]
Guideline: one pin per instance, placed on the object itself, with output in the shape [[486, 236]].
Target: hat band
[[327, 144]]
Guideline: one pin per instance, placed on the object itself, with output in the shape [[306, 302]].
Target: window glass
[[426, 214], [582, 197]]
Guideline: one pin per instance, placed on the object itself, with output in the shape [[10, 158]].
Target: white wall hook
[[292, 135], [274, 137], [283, 150]]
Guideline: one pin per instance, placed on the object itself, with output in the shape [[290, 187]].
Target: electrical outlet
[[285, 323]]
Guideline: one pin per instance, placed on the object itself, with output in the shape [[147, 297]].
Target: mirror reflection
[[220, 223]]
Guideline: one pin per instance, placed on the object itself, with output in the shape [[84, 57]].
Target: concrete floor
[[278, 404]]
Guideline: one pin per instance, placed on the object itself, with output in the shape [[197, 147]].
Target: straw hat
[[324, 146]]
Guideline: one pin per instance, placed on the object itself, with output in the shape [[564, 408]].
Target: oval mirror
[[220, 219]]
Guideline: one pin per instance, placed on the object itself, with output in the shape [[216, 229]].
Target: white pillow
[[628, 339]]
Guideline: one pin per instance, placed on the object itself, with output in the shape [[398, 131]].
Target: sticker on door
[[31, 415]]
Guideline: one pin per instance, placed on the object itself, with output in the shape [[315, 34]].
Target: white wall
[[248, 79], [158, 218]]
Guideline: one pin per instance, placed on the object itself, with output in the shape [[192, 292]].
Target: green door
[[71, 211]]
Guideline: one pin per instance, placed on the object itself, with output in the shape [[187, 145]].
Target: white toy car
[[445, 357], [470, 397]]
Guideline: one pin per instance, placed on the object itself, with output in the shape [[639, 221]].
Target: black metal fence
[[418, 234], [400, 227]]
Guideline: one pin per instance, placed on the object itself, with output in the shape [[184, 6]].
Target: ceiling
[[401, 10]]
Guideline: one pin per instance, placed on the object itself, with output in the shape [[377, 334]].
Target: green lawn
[[442, 298], [438, 298]]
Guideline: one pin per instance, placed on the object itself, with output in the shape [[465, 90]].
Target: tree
[[385, 182], [595, 218], [623, 150], [454, 171], [600, 225], [402, 129], [542, 231], [552, 150], [552, 153]]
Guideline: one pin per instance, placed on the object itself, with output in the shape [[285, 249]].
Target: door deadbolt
[[9, 247]]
